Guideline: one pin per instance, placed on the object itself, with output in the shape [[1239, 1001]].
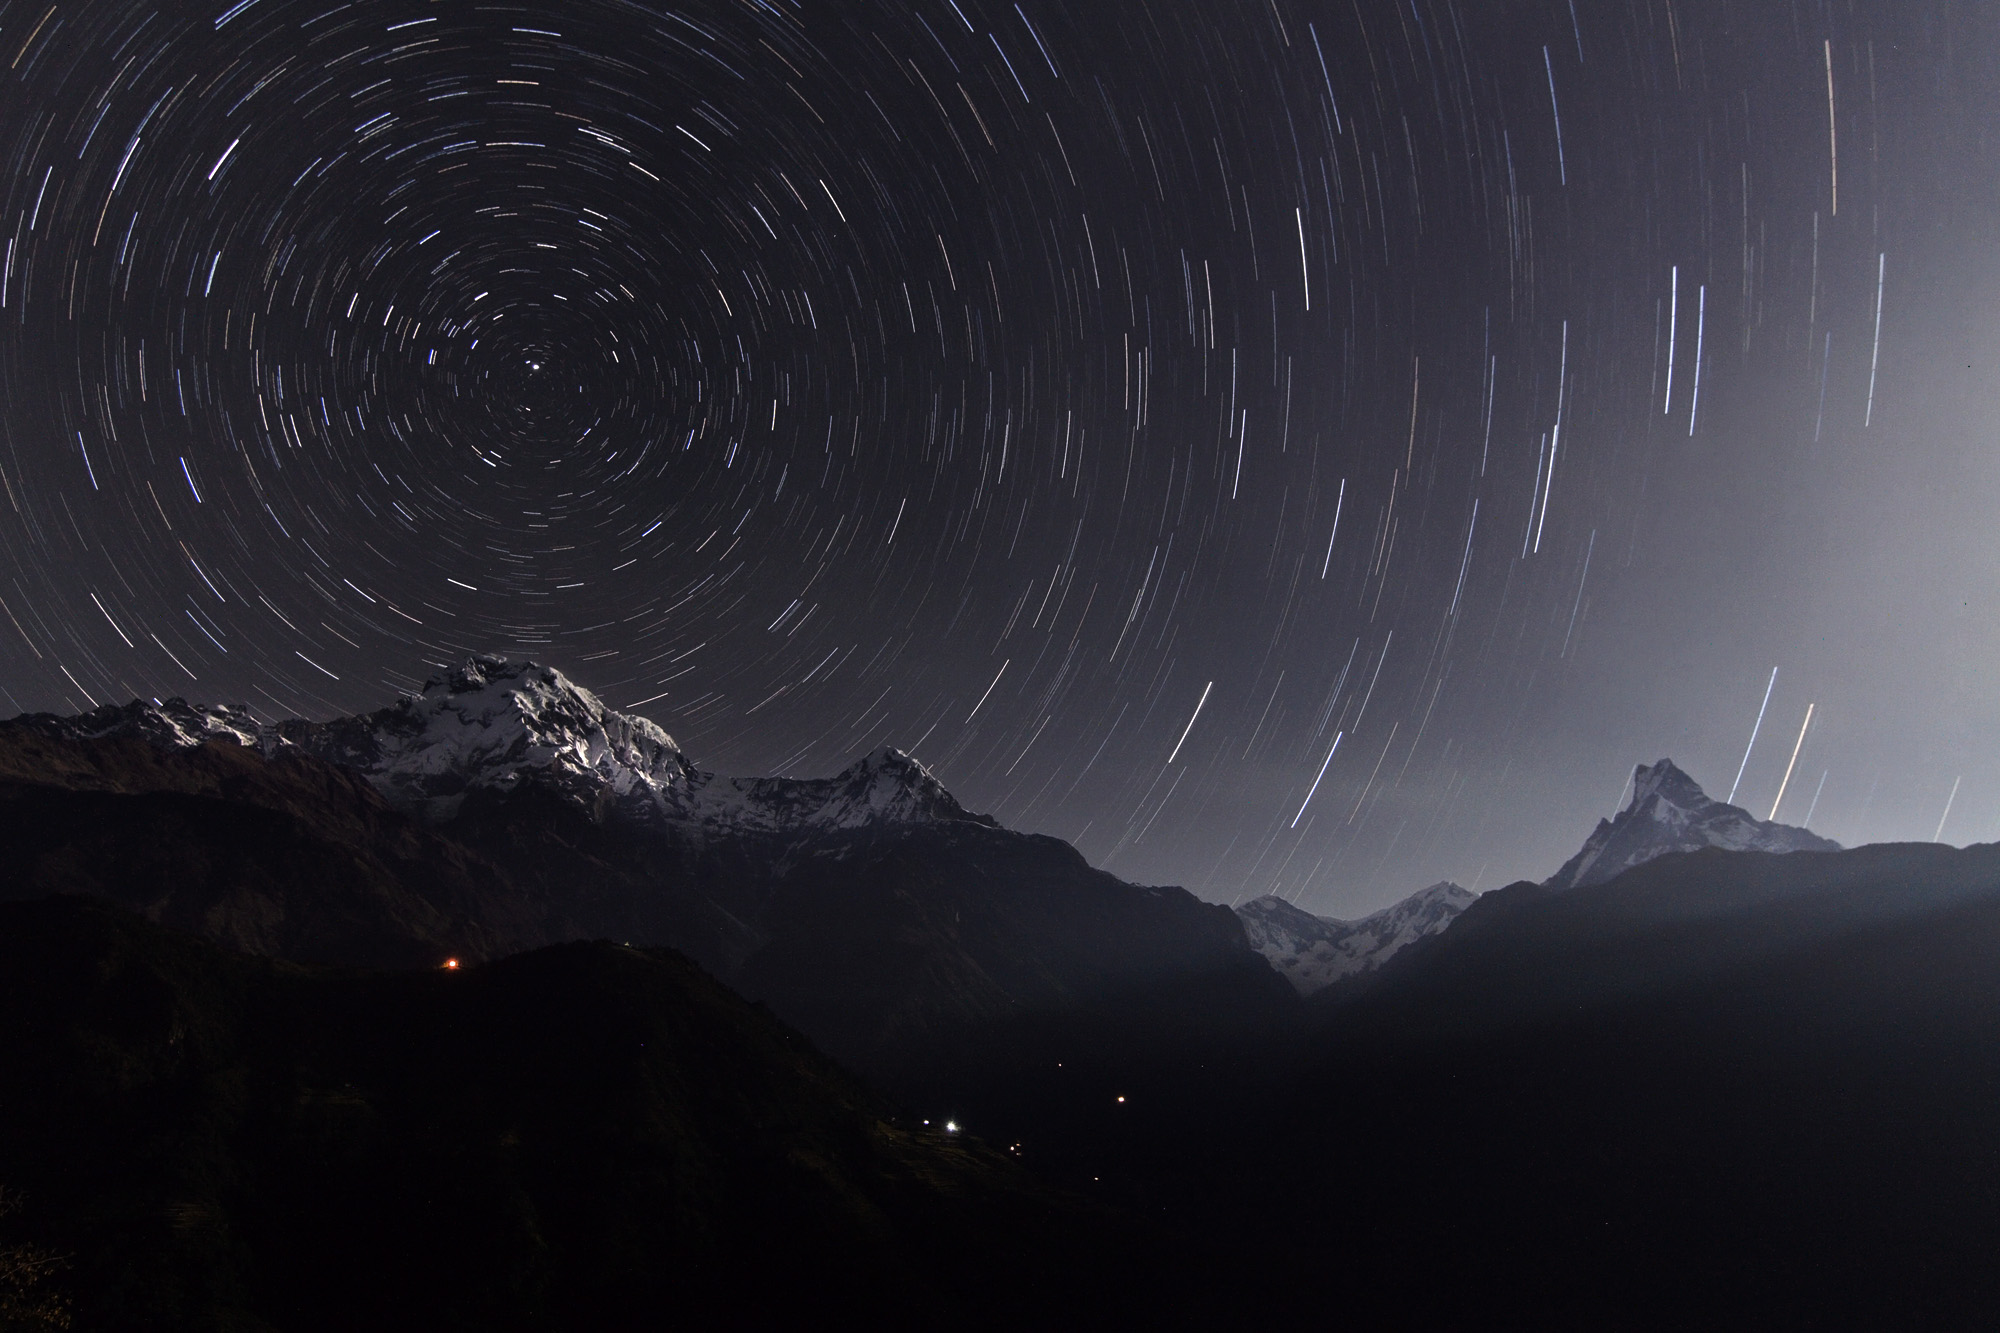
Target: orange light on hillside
[[451, 965]]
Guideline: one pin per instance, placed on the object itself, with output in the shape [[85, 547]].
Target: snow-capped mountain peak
[[888, 784], [492, 724], [1669, 812], [173, 724], [885, 788], [495, 726], [1313, 952]]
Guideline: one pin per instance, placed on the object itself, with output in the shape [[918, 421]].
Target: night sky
[[1115, 405]]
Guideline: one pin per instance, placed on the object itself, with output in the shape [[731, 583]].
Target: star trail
[[1296, 447]]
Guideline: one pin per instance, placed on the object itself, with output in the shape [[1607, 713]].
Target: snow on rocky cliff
[[495, 726], [170, 725], [1669, 812], [1313, 952]]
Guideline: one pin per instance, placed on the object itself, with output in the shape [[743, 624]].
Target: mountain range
[[1313, 952], [490, 728], [1668, 813], [506, 808], [1715, 1069], [486, 742], [582, 1136], [1724, 1089]]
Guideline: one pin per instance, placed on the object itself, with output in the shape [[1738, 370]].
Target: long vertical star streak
[[1465, 563], [1555, 434], [1673, 335], [1562, 167], [1757, 727], [1582, 582], [1793, 762], [1199, 705], [1938, 834], [1314, 789], [1700, 328], [1305, 268], [1832, 136], [1817, 793], [1339, 500], [1875, 353], [989, 690]]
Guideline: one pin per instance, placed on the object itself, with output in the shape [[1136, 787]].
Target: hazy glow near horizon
[[1280, 447]]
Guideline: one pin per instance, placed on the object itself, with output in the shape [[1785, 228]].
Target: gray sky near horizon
[[1110, 405]]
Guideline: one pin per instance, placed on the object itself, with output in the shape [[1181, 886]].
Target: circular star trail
[[1283, 447]]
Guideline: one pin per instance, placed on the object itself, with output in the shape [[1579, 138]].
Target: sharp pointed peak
[[540, 695], [887, 758], [1671, 782], [886, 785], [482, 671], [1669, 812]]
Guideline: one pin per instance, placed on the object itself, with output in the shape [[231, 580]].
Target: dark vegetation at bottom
[[588, 1136], [1722, 1091]]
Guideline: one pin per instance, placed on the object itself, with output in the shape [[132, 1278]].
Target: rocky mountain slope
[[1720, 1090], [1669, 812], [1313, 952], [286, 857], [870, 909], [488, 728], [1722, 1087], [586, 1136]]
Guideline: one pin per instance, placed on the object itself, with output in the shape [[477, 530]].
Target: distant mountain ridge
[[1669, 812], [222, 1142], [1723, 1089], [1313, 952], [287, 857], [506, 808], [1683, 1079], [492, 726]]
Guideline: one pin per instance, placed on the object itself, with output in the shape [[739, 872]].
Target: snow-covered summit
[[1669, 812], [493, 724], [886, 787], [1313, 952], [173, 724], [497, 726]]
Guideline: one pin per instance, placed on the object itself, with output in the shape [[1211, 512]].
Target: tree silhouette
[[29, 1301]]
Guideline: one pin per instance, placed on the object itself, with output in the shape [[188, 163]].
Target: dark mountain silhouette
[[1720, 1090], [583, 1136], [939, 954], [1714, 1088], [287, 857]]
